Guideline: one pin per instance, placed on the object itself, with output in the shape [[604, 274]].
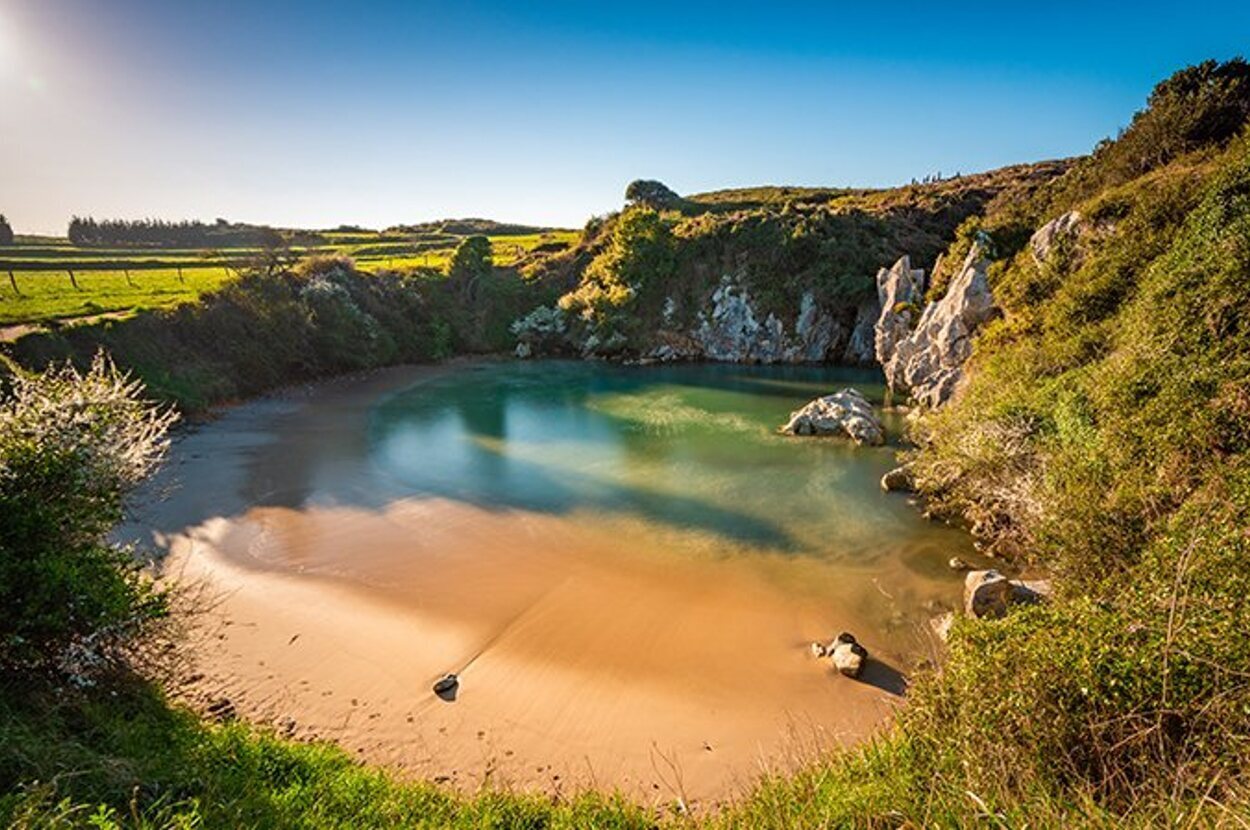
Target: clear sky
[[308, 113]]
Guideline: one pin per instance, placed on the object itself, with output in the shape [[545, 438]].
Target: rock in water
[[957, 564], [842, 413], [819, 650], [897, 480], [986, 594], [848, 655]]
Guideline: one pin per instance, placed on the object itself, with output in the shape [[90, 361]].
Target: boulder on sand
[[446, 685], [848, 655], [843, 413]]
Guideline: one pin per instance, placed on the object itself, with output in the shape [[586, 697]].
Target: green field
[[118, 280]]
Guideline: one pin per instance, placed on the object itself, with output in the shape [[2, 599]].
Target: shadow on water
[[574, 448], [691, 447]]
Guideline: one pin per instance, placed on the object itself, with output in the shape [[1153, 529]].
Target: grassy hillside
[[779, 243], [323, 316], [1104, 432]]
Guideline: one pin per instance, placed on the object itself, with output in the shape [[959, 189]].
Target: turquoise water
[[691, 451]]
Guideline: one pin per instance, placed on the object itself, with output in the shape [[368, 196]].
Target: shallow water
[[624, 565], [688, 454]]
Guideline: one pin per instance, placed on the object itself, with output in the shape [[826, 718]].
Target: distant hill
[[470, 226]]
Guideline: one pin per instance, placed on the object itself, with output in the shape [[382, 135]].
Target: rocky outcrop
[[843, 413], [815, 332], [729, 328], [989, 594], [927, 363], [1043, 242], [542, 330], [733, 331], [900, 290]]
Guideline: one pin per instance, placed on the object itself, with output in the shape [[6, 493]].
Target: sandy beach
[[582, 662]]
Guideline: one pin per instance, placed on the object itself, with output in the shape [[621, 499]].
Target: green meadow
[[45, 279]]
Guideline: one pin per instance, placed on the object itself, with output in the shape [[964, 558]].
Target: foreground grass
[[122, 756], [125, 758]]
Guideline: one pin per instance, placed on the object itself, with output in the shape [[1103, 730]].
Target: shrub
[[652, 194], [471, 259], [71, 446], [638, 258], [6, 231]]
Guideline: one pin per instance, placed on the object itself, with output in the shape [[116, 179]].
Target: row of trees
[[6, 231], [158, 233]]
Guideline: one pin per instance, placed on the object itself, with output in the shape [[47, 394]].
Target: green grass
[[121, 756], [49, 295], [46, 293]]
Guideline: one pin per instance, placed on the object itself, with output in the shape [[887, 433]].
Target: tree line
[[158, 233]]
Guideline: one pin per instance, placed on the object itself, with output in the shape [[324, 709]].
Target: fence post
[[129, 281], [73, 280], [13, 282], [180, 279]]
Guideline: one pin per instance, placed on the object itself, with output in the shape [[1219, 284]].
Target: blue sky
[[317, 113]]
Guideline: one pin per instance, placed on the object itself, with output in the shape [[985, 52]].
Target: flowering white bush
[[72, 445]]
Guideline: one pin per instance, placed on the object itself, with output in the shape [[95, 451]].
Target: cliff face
[[773, 275], [732, 329]]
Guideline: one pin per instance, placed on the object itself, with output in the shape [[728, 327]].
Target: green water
[[689, 450]]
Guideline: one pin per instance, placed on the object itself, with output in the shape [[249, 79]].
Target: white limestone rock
[[846, 412], [899, 290], [928, 362], [1044, 240]]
